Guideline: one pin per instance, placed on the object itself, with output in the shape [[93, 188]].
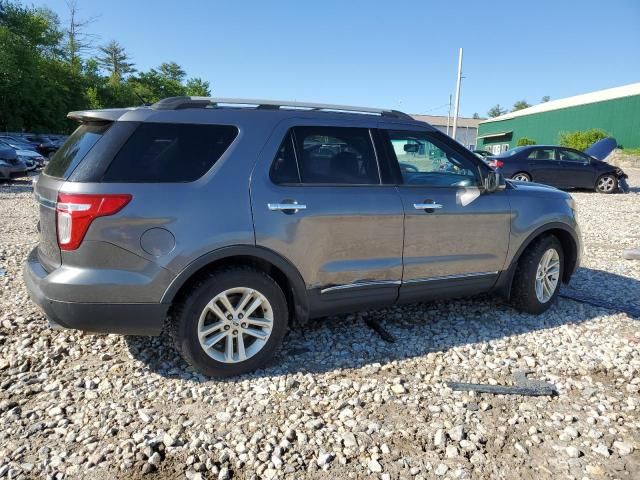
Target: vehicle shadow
[[345, 341]]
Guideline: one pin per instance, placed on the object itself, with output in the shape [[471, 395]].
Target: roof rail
[[179, 103]]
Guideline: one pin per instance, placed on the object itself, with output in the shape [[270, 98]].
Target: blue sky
[[400, 54]]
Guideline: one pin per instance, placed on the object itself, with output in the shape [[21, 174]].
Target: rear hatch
[[59, 169]]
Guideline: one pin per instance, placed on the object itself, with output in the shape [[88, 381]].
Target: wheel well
[[569, 250], [244, 260]]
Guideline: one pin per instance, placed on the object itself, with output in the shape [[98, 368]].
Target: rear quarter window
[[74, 150], [169, 153]]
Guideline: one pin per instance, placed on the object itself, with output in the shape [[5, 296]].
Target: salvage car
[[223, 220], [563, 167], [29, 157], [10, 166]]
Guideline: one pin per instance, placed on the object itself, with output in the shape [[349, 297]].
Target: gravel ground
[[339, 402]]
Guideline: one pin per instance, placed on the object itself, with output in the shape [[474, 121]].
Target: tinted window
[[336, 155], [74, 150], [425, 161], [571, 156], [166, 152], [542, 154], [284, 168]]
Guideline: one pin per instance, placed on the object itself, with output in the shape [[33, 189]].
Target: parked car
[[18, 143], [233, 221], [29, 157], [561, 167], [44, 145], [10, 166]]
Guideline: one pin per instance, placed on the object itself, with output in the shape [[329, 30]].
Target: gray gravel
[[339, 402]]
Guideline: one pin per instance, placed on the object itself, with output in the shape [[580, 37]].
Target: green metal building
[[615, 110]]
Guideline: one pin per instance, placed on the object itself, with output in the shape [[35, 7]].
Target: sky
[[400, 54]]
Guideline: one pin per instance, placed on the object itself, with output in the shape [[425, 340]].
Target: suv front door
[[343, 230], [456, 236]]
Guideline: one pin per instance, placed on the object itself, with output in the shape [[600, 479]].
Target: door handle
[[427, 206], [287, 207]]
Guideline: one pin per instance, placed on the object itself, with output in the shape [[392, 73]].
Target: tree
[[198, 88], [520, 105], [496, 111], [546, 98], [525, 141], [582, 139], [78, 41], [476, 116], [115, 60], [172, 71]]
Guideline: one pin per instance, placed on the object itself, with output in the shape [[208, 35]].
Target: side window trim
[[291, 134]]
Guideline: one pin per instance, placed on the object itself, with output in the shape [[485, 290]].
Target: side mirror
[[494, 181], [411, 147]]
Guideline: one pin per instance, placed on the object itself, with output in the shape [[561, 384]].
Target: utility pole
[[457, 106], [449, 115]]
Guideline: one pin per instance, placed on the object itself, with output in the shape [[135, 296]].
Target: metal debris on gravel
[[339, 401]]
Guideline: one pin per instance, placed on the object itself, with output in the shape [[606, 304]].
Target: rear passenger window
[[336, 155], [167, 152]]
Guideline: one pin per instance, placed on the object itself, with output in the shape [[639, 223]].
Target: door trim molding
[[448, 277], [364, 284]]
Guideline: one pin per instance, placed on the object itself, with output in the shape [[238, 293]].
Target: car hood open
[[602, 148]]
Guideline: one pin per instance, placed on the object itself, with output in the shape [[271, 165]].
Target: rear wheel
[[607, 183], [522, 177], [232, 322], [537, 279]]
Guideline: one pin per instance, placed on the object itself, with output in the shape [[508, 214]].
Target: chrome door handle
[[427, 206], [283, 207]]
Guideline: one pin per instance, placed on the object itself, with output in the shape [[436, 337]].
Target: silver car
[[223, 220]]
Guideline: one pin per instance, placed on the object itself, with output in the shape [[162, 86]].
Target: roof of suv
[[285, 108]]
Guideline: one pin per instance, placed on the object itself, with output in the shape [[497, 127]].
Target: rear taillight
[[496, 163], [75, 212]]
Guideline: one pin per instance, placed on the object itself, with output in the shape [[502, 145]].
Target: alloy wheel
[[235, 325], [521, 177], [547, 275], [606, 183]]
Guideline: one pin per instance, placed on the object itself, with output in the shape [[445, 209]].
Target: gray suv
[[225, 219]]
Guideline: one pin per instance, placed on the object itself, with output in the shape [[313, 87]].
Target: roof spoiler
[[179, 103], [104, 115]]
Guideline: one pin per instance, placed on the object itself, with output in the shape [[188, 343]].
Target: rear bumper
[[121, 318]]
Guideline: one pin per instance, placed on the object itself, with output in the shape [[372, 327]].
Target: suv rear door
[[343, 230], [51, 180], [456, 237]]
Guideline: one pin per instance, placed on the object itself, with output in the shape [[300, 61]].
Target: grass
[[631, 151]]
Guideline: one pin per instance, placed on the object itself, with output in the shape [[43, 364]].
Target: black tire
[[523, 292], [522, 174], [183, 326], [602, 186]]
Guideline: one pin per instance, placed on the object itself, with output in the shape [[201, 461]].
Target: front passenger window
[[423, 162]]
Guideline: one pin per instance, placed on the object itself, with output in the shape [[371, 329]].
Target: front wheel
[[537, 279], [232, 322], [607, 183], [522, 177]]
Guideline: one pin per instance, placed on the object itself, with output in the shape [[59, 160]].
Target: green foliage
[[520, 105], [582, 139], [43, 75], [525, 141], [496, 111], [545, 99]]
